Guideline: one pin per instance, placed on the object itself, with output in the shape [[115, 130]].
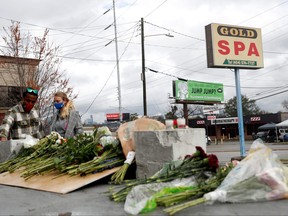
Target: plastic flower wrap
[[260, 176], [29, 141], [140, 195], [176, 182], [200, 165]]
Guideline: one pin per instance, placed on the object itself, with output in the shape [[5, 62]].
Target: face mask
[[28, 107], [59, 105]]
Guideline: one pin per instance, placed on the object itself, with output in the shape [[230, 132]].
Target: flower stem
[[174, 209]]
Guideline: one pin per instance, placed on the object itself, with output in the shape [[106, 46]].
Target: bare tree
[[193, 110], [172, 114], [176, 111], [47, 75]]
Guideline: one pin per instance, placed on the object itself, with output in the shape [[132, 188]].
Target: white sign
[[211, 110], [233, 46], [233, 120]]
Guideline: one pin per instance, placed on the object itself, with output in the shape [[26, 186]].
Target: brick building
[[14, 74]]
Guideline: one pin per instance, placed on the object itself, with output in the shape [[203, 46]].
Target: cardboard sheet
[[48, 182]]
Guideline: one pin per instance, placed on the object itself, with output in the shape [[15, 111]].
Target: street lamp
[[143, 76]]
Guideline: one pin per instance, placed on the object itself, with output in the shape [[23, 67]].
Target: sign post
[[240, 114], [234, 47]]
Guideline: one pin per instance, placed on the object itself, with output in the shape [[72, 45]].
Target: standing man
[[22, 119]]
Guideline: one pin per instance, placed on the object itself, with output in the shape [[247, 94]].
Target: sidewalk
[[93, 199]]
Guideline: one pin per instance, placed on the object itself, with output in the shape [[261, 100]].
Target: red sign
[[113, 116], [116, 116], [255, 119], [211, 117], [201, 122]]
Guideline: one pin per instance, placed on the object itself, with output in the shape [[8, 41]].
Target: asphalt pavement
[[93, 199]]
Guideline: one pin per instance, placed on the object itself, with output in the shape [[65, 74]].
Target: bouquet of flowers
[[260, 176], [191, 165]]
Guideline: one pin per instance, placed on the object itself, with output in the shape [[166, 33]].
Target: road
[[230, 149]]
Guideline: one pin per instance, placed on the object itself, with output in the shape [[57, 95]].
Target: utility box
[[154, 148], [9, 149]]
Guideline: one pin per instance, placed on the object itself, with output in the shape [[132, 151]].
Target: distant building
[[89, 121], [227, 128]]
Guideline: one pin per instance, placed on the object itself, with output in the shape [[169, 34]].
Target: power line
[[54, 29], [120, 105], [263, 12], [271, 95], [175, 31], [183, 79], [99, 91], [155, 8]]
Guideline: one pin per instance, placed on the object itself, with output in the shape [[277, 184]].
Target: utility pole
[[143, 69], [143, 74], [117, 62]]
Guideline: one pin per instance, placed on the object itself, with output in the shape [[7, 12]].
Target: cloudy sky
[[88, 51]]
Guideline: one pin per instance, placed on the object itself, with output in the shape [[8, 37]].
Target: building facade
[[14, 74], [227, 128]]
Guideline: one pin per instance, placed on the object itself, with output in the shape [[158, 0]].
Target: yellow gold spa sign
[[233, 46]]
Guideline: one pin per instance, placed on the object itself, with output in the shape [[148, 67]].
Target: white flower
[[58, 141], [108, 140], [55, 134]]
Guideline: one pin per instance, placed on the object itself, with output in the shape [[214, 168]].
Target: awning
[[268, 126]]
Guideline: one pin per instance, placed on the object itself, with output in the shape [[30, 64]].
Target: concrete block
[[9, 149], [154, 148]]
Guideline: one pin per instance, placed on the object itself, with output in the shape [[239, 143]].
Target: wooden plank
[[48, 182]]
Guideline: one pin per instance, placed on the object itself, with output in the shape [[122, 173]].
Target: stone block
[[154, 148]]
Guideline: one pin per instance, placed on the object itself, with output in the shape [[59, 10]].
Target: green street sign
[[198, 91]]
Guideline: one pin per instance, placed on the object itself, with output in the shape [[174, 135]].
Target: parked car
[[283, 137]]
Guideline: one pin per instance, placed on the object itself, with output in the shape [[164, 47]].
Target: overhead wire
[[156, 8], [122, 59], [106, 80], [259, 13], [263, 12], [83, 28], [176, 32], [99, 45], [108, 77]]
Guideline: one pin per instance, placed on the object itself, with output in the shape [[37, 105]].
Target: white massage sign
[[233, 47]]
